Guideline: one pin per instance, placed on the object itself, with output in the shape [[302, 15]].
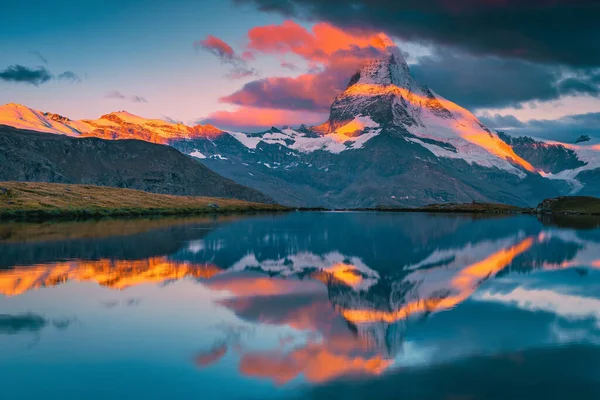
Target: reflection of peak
[[330, 268], [435, 289]]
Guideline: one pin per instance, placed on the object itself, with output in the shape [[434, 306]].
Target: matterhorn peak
[[390, 68]]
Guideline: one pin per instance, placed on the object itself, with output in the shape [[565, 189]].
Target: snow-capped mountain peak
[[115, 125], [390, 69]]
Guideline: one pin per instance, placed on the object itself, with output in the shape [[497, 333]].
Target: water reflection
[[337, 294]]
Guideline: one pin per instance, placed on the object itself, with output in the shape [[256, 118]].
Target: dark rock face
[[591, 181], [132, 164], [550, 158], [546, 206]]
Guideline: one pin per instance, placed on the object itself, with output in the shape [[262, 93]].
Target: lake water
[[301, 305]]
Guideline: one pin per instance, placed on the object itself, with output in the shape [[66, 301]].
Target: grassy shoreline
[[45, 201], [42, 201]]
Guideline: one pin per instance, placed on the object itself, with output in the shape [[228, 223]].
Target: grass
[[572, 205], [471, 208], [37, 200]]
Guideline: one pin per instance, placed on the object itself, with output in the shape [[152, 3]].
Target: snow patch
[[197, 154]]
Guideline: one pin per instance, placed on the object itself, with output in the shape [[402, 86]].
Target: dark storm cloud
[[578, 86], [29, 323], [501, 121], [21, 74], [566, 129], [492, 82], [37, 76], [550, 31], [13, 324]]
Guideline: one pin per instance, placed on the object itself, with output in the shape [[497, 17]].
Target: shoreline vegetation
[[42, 201], [566, 205], [38, 200]]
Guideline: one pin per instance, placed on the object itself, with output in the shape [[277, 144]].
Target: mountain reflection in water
[[338, 294]]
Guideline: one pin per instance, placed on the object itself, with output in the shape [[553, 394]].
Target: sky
[[529, 67]]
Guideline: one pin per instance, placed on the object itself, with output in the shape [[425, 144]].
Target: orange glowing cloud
[[333, 54], [252, 285], [212, 356], [315, 361], [217, 46], [339, 351], [318, 45]]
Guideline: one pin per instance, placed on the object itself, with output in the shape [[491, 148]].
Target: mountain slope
[[132, 164], [577, 165]]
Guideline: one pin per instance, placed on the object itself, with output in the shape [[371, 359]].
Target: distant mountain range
[[134, 164], [389, 141]]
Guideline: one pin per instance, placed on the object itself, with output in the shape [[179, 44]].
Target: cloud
[[288, 65], [492, 82], [333, 55], [172, 120], [227, 55], [317, 45], [69, 76], [13, 324], [506, 28], [21, 74], [29, 323], [566, 129], [115, 94], [39, 56], [138, 99], [249, 119], [211, 356], [218, 47], [579, 86], [37, 76], [498, 121]]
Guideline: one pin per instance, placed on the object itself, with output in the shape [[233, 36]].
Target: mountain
[[389, 141], [576, 164], [36, 156]]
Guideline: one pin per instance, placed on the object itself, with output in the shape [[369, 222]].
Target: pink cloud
[[333, 55], [216, 46], [227, 55], [251, 119]]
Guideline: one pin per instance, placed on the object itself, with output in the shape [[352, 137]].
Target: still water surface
[[301, 305]]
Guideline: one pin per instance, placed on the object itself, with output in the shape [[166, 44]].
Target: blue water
[[302, 305]]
